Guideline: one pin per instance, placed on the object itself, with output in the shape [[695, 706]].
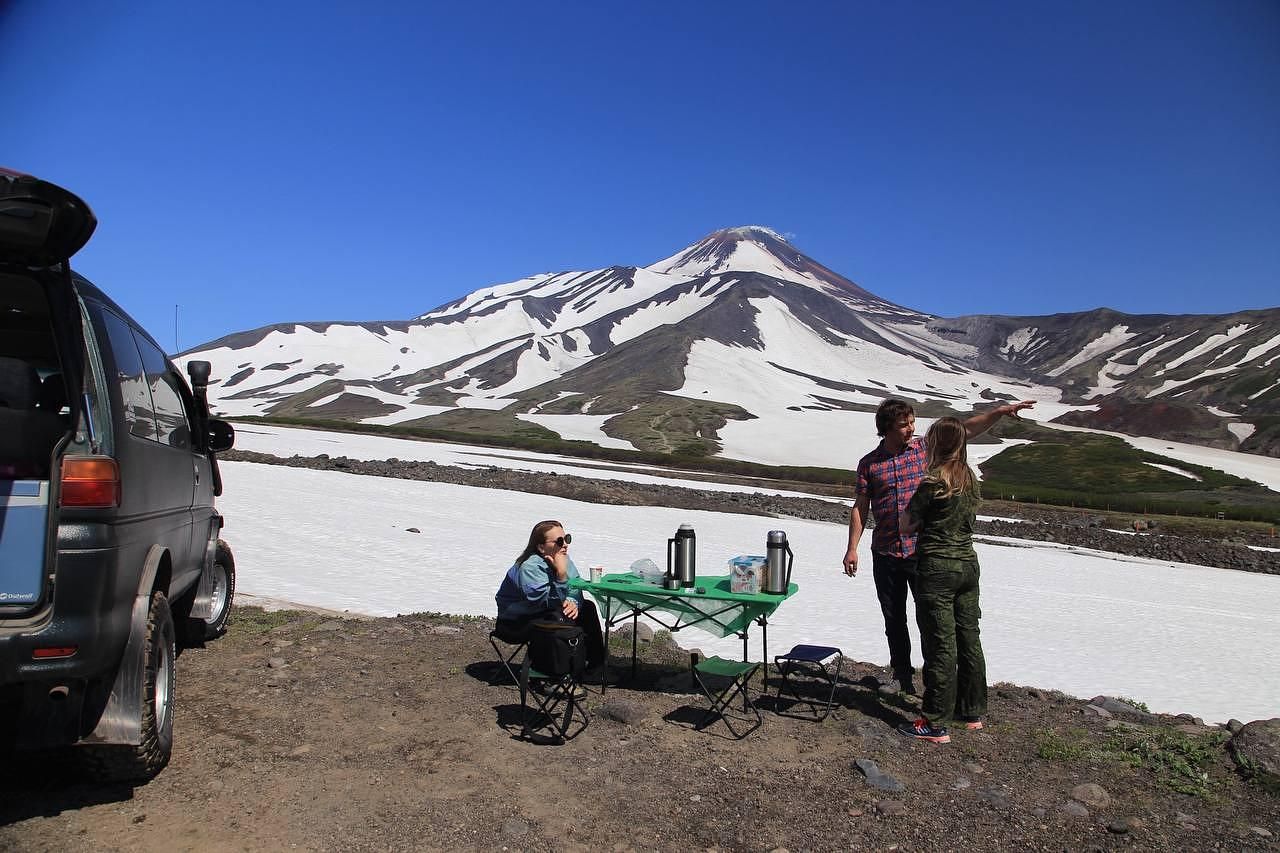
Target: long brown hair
[[947, 460], [536, 537]]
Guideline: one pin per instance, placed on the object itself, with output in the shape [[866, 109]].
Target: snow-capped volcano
[[722, 347]]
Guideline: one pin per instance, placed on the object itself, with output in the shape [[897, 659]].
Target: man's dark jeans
[[895, 576]]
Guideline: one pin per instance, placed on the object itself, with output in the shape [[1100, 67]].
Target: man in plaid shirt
[[887, 478]]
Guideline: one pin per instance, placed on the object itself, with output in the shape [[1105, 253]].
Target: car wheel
[[224, 590], [142, 762], [195, 631]]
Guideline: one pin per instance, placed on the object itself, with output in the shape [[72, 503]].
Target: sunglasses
[[561, 541]]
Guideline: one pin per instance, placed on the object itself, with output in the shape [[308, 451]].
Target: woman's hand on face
[[570, 608], [559, 561]]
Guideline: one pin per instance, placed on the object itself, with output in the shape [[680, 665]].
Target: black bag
[[557, 648]]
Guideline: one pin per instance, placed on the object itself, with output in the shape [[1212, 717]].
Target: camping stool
[[565, 724], [738, 674], [507, 659], [815, 662]]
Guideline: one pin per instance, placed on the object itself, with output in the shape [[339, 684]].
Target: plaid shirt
[[890, 481]]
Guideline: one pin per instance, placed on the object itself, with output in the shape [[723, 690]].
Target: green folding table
[[716, 610]]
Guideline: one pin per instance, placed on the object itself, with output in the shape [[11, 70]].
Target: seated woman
[[536, 587]]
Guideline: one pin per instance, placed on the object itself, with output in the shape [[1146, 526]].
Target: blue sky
[[269, 162]]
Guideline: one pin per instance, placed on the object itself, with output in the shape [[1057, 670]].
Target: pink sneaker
[[971, 723]]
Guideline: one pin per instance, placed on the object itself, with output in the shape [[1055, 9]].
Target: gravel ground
[[304, 731]]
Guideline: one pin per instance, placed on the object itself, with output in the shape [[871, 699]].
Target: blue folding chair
[[813, 663]]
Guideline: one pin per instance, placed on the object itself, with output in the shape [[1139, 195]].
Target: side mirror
[[199, 373], [222, 436]]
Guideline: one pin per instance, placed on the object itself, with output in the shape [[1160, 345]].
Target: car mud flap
[[202, 607], [121, 720], [24, 520]]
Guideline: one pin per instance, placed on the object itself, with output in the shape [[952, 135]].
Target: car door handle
[[196, 468]]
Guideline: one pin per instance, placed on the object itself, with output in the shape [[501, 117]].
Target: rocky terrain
[[310, 732], [1220, 544]]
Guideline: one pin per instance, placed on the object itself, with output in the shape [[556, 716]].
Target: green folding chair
[[733, 676], [556, 707]]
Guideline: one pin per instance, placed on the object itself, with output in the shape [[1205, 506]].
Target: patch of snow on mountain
[[1266, 390], [1214, 410], [579, 428], [1241, 430], [1209, 343], [410, 412], [492, 404], [814, 436], [1110, 376], [1018, 340], [1105, 342], [1253, 353], [920, 332], [663, 313], [1173, 470], [497, 292]]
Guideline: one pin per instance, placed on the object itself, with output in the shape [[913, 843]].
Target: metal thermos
[[778, 563], [682, 558]]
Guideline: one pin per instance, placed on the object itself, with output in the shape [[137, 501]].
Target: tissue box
[[744, 574]]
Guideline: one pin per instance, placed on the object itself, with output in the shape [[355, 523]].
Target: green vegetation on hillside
[[688, 454], [1089, 470], [1059, 468]]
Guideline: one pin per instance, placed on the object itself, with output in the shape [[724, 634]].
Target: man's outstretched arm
[[980, 423]]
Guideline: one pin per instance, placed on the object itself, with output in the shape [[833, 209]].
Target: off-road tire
[[196, 631], [142, 762], [224, 568]]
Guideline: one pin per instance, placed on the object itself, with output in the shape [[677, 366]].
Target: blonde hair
[[947, 460]]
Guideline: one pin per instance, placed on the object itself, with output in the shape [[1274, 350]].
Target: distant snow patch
[[1018, 340], [1173, 470], [1209, 343], [1242, 430], [1103, 343]]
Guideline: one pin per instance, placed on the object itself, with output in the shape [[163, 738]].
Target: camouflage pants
[[947, 612]]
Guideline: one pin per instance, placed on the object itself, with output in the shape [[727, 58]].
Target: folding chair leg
[[567, 724], [507, 660], [722, 702]]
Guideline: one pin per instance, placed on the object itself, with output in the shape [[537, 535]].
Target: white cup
[[597, 574]]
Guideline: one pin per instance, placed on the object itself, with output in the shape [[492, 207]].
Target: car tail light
[[90, 481]]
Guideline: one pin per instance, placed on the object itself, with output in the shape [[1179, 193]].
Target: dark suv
[[109, 539]]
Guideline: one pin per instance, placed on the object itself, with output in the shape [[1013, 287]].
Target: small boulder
[[1074, 809], [1092, 795], [1120, 708], [1256, 749], [876, 777], [1125, 825], [891, 808], [622, 711]]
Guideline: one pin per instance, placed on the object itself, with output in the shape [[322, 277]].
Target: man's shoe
[[899, 685], [971, 723], [922, 730], [579, 692]]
